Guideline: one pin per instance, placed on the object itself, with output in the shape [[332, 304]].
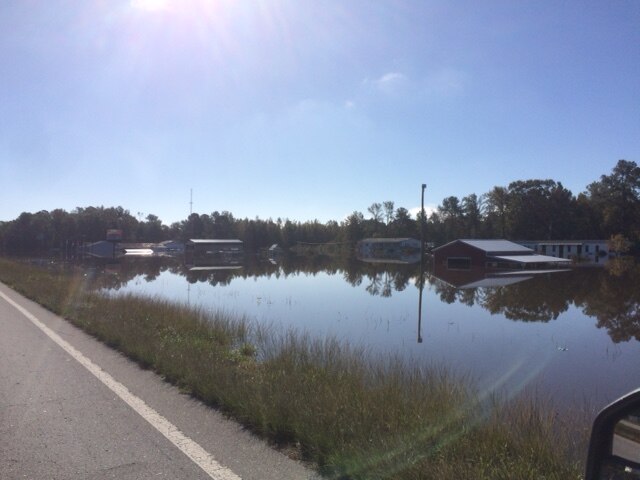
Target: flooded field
[[573, 335]]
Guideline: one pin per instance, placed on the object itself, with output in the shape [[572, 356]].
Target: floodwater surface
[[574, 335]]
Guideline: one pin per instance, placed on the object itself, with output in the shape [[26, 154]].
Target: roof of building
[[497, 281], [502, 246], [532, 259], [563, 242], [210, 241], [388, 240]]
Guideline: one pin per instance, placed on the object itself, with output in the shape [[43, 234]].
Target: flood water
[[574, 335]]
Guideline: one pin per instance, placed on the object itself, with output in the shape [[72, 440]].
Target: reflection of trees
[[538, 299], [617, 302], [610, 295], [384, 282], [113, 274]]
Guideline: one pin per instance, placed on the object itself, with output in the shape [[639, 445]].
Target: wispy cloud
[[391, 83], [428, 210], [439, 83], [445, 82]]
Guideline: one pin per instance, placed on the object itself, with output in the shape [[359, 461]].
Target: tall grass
[[354, 415]]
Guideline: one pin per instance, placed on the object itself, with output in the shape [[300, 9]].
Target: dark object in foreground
[[614, 449]]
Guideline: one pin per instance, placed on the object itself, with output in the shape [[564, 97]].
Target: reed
[[355, 415]]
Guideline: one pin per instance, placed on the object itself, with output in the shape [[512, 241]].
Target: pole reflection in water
[[421, 288]]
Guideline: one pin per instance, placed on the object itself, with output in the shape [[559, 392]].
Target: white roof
[[388, 240], [212, 241], [501, 246], [532, 258], [496, 281]]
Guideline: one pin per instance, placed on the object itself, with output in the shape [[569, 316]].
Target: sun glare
[[150, 5]]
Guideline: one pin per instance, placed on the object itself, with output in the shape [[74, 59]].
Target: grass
[[353, 415]]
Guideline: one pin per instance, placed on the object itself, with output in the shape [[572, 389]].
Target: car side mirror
[[614, 448]]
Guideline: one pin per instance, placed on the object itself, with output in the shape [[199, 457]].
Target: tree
[[472, 215], [450, 213], [192, 227], [616, 199], [389, 207], [537, 209], [403, 225], [353, 227], [376, 212], [496, 207]]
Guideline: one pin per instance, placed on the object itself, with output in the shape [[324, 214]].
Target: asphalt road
[[58, 420]]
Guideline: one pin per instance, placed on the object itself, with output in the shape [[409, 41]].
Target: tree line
[[538, 209]]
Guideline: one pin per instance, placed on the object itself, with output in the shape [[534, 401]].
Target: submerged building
[[581, 250], [493, 254]]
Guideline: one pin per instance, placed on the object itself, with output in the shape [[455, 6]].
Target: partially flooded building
[[497, 254]]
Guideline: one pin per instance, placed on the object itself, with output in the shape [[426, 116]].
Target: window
[[459, 263]]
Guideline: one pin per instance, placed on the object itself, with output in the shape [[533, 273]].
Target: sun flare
[[150, 5]]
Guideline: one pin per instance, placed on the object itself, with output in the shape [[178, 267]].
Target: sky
[[307, 109]]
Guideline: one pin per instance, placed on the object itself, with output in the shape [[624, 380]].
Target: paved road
[[58, 420]]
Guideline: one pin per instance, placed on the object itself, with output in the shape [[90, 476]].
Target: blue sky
[[308, 109]]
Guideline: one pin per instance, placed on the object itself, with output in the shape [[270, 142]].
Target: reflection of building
[[590, 250], [389, 250], [387, 247], [396, 259], [495, 254], [213, 252], [478, 277], [103, 248]]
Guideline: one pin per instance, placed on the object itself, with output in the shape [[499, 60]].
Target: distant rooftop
[[210, 241], [503, 246], [387, 240]]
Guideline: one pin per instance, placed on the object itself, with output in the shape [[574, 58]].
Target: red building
[[492, 254]]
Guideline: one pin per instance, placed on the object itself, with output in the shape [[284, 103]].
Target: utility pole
[[422, 222]]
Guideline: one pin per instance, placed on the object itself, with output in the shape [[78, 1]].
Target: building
[[586, 250], [213, 247], [493, 254], [372, 247], [103, 249], [212, 253], [169, 246]]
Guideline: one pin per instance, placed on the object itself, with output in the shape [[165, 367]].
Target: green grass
[[354, 415]]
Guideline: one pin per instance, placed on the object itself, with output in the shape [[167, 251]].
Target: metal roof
[[497, 281], [212, 241], [388, 240], [531, 258], [502, 246]]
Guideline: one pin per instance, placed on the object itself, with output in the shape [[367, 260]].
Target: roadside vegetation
[[355, 416]]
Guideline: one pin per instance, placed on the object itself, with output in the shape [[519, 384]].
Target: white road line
[[190, 448]]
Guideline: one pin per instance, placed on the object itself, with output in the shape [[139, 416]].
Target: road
[[72, 408]]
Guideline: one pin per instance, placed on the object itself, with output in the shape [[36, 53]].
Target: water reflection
[[610, 294]]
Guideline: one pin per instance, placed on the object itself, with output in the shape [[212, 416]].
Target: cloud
[[439, 83], [445, 82], [428, 210], [391, 83]]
